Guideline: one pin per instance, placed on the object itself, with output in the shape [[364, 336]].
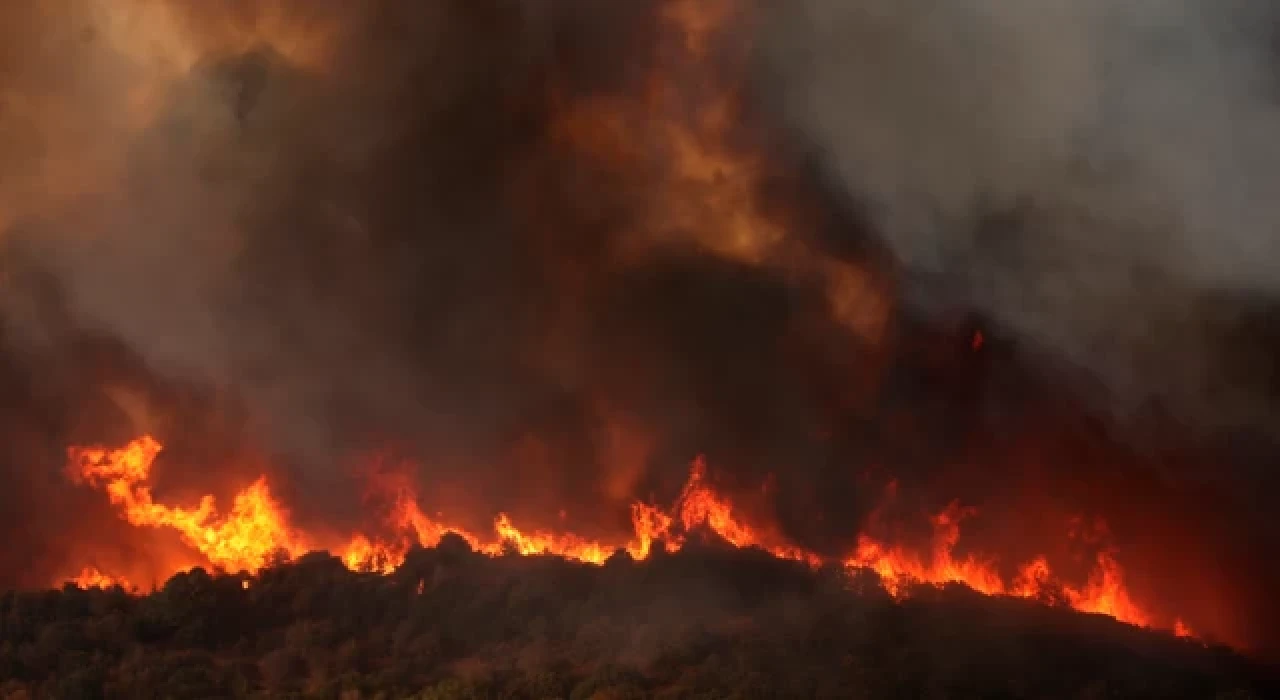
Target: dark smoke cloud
[[1096, 177], [313, 213], [288, 227], [304, 231], [323, 224]]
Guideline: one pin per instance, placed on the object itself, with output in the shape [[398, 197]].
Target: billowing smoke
[[283, 200], [550, 251], [1096, 176], [357, 226]]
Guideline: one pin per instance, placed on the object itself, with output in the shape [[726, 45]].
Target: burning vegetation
[[448, 302], [708, 620], [255, 532]]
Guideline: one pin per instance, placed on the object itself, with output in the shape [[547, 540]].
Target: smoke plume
[[1096, 177], [548, 252]]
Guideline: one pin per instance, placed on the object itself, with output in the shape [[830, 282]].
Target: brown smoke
[[551, 251]]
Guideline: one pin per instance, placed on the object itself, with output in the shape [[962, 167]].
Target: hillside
[[707, 622]]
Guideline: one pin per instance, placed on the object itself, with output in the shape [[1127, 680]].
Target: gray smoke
[[1097, 176]]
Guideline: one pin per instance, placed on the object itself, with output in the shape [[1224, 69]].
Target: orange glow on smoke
[[256, 530], [703, 186], [679, 139]]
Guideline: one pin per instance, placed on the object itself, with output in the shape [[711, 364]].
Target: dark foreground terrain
[[704, 623]]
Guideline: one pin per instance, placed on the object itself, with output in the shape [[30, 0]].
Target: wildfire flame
[[704, 183], [1104, 592], [898, 568], [91, 577], [256, 530], [246, 538]]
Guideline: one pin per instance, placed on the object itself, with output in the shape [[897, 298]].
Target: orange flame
[[245, 539], [91, 577], [1104, 592], [898, 568], [700, 505], [651, 525], [256, 529]]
